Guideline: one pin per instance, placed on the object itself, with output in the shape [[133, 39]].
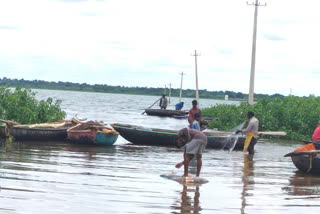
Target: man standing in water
[[194, 110], [252, 132], [194, 143]]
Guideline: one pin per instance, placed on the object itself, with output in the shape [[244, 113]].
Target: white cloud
[[148, 42]]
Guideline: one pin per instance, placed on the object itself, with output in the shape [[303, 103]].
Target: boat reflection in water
[[247, 180], [303, 185]]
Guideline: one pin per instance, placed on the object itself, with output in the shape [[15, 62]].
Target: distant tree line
[[40, 84]]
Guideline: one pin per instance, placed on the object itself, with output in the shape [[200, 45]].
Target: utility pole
[[165, 90], [169, 92], [197, 91], [181, 85], [253, 56]]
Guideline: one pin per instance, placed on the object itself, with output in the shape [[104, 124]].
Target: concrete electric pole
[[253, 56]]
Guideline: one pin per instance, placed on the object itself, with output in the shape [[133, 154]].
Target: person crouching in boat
[[316, 137], [194, 142], [311, 146], [252, 132]]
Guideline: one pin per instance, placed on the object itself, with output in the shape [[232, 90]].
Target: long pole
[[181, 86], [151, 105], [196, 69], [253, 55], [169, 92]]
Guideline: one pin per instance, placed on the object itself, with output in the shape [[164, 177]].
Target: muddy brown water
[[58, 177]]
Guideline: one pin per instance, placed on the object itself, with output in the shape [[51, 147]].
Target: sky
[[148, 43]]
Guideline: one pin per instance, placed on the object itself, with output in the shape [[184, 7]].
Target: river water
[[56, 177]]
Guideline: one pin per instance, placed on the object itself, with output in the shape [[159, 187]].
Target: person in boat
[[196, 122], [194, 142], [179, 106], [252, 133], [163, 102], [316, 138], [316, 135], [194, 110]]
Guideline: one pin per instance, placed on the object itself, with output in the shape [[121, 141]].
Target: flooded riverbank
[[58, 177]]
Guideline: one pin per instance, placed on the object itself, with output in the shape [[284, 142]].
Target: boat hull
[[46, 134], [302, 163], [165, 112], [2, 132], [162, 137], [87, 137]]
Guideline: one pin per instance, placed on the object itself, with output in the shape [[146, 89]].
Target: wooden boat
[[2, 132], [306, 158], [92, 133], [165, 112], [162, 137], [307, 162], [55, 131]]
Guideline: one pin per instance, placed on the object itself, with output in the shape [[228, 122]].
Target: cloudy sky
[[149, 42]]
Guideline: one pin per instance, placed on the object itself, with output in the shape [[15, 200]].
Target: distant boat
[[162, 137], [92, 133], [165, 112]]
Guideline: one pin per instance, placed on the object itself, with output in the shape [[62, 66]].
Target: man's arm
[[178, 165], [249, 127]]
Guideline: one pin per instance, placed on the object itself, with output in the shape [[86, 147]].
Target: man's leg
[[187, 158], [251, 146], [199, 164]]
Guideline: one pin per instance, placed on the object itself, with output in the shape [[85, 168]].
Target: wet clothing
[[196, 140], [191, 116], [316, 134], [195, 146], [251, 137], [251, 131], [251, 145]]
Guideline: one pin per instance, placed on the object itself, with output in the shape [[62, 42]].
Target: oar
[[279, 133], [151, 105]]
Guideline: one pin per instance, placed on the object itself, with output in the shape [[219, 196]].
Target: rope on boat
[[311, 157]]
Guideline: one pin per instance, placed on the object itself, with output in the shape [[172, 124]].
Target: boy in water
[[194, 110], [196, 122]]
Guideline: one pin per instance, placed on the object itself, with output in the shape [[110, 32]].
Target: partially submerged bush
[[297, 116], [20, 105]]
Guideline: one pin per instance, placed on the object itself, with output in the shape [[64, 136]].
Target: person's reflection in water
[[247, 179], [187, 204]]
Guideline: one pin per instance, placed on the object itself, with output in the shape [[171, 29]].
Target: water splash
[[233, 139], [236, 137], [230, 142], [238, 127]]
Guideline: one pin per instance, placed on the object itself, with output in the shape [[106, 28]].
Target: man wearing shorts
[[194, 143]]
